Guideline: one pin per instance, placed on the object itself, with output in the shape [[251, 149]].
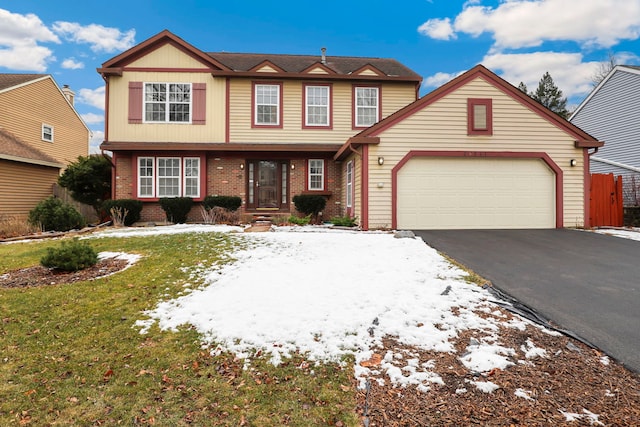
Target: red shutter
[[199, 103], [135, 102]]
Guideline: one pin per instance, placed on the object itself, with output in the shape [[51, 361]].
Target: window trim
[[354, 101], [42, 134], [349, 187], [305, 106], [471, 104], [254, 105], [167, 104], [201, 178], [323, 175]]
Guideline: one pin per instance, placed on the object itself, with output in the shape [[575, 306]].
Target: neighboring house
[[182, 122], [40, 133], [475, 153], [611, 113]]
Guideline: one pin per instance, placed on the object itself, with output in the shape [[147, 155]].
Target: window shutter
[[135, 102], [199, 103]]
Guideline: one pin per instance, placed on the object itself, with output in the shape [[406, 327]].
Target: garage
[[475, 193]]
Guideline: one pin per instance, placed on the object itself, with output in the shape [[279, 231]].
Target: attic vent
[[324, 57]]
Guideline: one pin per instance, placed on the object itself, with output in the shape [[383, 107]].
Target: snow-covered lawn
[[332, 293]]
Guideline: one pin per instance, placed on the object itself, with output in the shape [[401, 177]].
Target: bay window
[[169, 177]]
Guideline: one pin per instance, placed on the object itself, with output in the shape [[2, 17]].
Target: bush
[[134, 208], [176, 208], [299, 220], [344, 221], [70, 256], [230, 203], [310, 204], [52, 214]]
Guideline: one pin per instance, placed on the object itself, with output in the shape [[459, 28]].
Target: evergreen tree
[[88, 179], [523, 88], [550, 96]]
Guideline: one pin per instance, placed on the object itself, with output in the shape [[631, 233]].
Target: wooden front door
[[267, 185]]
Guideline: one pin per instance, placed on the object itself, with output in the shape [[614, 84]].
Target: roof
[[583, 139], [12, 148], [344, 65], [10, 80], [286, 66]]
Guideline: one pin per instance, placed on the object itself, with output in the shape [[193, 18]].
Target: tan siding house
[[433, 164], [264, 127], [40, 133]]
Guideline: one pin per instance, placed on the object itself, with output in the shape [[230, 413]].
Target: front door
[[267, 184]]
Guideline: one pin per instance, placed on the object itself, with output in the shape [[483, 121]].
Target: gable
[[166, 56]]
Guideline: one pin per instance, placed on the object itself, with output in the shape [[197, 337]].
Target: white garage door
[[475, 193]]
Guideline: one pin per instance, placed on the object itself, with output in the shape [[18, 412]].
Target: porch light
[[293, 166], [241, 166], [573, 162], [381, 160]]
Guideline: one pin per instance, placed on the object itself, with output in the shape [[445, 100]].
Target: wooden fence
[[606, 204], [86, 211]]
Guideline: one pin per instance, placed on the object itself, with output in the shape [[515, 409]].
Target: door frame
[[283, 185]]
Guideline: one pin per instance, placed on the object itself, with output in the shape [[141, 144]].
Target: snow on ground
[[631, 233], [330, 293]]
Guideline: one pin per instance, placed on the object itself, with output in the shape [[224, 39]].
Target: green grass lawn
[[71, 354]]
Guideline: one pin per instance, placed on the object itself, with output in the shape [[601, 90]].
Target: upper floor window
[[267, 109], [479, 116], [367, 106], [317, 106], [316, 174], [167, 102], [47, 133]]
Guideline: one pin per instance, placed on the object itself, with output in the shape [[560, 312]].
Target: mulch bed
[[43, 276]]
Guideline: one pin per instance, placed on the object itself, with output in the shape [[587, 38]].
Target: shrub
[[230, 203], [310, 204], [88, 179], [134, 208], [70, 256], [344, 221], [53, 214], [300, 220], [176, 208]]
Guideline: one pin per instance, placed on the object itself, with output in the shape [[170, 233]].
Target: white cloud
[[19, 38], [72, 64], [94, 97], [569, 72], [439, 79], [101, 39], [97, 136], [92, 118], [439, 29], [527, 23]]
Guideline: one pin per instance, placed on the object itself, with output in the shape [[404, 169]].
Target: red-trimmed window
[[169, 177], [366, 106], [159, 102], [267, 105], [315, 174], [479, 116], [317, 106]]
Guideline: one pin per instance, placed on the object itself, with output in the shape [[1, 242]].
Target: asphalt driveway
[[586, 283]]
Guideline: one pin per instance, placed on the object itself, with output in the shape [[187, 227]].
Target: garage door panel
[[467, 193]]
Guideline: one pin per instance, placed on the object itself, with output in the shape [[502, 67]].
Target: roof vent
[[324, 56]]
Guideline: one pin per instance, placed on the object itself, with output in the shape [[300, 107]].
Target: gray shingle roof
[[11, 145], [9, 80]]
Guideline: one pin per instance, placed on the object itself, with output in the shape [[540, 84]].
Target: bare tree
[[604, 68]]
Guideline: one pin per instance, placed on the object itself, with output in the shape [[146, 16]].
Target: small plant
[[70, 256], [52, 214], [176, 208], [230, 203], [310, 204], [119, 216], [14, 226], [300, 220], [133, 207], [344, 221]]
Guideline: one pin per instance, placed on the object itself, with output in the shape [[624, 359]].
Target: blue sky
[[517, 39]]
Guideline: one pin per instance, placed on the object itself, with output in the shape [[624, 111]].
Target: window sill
[[318, 192]]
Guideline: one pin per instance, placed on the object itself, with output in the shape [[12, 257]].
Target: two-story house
[[474, 153], [40, 134], [183, 122]]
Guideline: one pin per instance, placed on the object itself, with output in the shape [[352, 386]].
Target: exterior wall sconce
[[293, 166], [241, 166], [573, 162], [381, 160]]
